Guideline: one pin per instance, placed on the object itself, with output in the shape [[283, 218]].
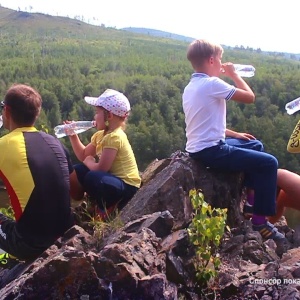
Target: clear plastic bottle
[[73, 128], [1, 121], [244, 70], [293, 106]]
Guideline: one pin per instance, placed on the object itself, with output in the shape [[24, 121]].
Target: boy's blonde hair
[[200, 50]]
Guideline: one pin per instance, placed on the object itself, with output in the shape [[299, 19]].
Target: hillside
[[67, 59], [19, 22], [169, 35], [159, 33]]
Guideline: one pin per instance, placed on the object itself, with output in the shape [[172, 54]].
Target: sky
[[271, 25]]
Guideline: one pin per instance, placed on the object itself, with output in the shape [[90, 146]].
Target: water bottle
[[1, 121], [244, 70], [293, 106], [73, 128]]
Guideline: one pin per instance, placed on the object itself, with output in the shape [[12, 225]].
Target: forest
[[66, 59]]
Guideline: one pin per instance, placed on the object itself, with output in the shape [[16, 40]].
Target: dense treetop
[[67, 59]]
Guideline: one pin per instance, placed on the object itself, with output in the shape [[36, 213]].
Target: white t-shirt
[[204, 106]]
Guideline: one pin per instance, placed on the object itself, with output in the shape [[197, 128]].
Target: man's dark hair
[[24, 104]]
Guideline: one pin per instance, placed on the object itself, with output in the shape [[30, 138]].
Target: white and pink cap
[[113, 101]]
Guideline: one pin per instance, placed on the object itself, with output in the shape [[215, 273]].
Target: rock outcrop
[[167, 187], [150, 256]]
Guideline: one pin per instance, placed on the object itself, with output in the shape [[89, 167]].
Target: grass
[[99, 225]]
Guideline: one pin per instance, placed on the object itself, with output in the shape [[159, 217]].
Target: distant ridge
[[12, 22], [159, 33], [174, 36]]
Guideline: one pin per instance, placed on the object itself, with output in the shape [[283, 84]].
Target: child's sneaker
[[8, 261], [268, 231], [248, 211]]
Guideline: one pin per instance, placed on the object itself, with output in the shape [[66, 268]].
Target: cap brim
[[91, 100]]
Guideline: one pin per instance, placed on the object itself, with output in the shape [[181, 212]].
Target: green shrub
[[205, 233], [8, 211]]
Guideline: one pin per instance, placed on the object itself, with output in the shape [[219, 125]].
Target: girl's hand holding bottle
[[73, 127]]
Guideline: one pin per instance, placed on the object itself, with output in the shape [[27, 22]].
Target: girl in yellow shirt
[[109, 172]]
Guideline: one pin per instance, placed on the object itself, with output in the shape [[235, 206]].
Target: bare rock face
[[168, 188], [133, 266], [150, 255]]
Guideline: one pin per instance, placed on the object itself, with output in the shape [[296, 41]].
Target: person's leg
[[262, 169], [129, 192], [81, 171], [281, 201], [8, 243], [253, 145], [76, 189], [6, 229], [289, 195], [105, 188], [289, 182], [248, 205], [247, 144]]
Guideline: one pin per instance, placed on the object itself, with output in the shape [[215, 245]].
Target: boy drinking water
[[204, 106]]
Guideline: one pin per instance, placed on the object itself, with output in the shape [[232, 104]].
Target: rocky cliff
[[150, 256]]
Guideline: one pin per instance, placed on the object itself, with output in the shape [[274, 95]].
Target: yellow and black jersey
[[35, 168]]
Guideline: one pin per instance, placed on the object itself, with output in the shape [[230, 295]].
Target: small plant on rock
[[205, 233], [8, 211], [98, 224], [106, 227]]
